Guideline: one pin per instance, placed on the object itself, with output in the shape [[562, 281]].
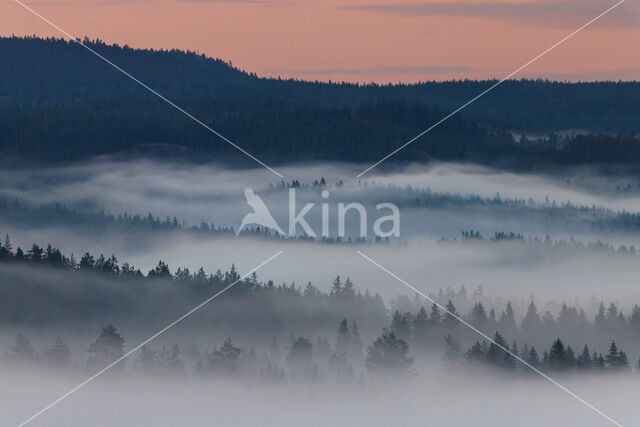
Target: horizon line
[[274, 74]]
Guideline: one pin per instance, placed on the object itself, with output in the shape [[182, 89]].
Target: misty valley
[[186, 243], [91, 267]]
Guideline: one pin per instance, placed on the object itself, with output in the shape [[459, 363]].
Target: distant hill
[[60, 103]]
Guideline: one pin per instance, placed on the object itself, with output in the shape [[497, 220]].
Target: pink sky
[[362, 40]]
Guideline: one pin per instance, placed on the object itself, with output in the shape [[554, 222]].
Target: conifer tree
[[435, 318], [558, 356], [616, 359], [476, 353], [348, 289], [532, 358], [612, 357], [147, 360], [300, 358], [343, 339], [356, 343], [106, 349], [400, 325], [6, 251], [21, 350], [450, 320], [478, 315], [389, 355], [173, 361], [336, 288], [571, 357], [584, 360], [225, 359], [525, 351], [452, 352], [498, 354], [420, 327], [531, 321], [58, 354], [507, 322]]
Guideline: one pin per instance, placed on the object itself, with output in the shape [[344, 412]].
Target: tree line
[[346, 360], [16, 212], [411, 330], [412, 320], [559, 357], [85, 109]]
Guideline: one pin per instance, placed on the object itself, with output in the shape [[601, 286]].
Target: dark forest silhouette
[[83, 109], [410, 333]]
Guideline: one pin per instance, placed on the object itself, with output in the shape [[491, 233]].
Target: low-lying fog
[[440, 201], [195, 193], [439, 398], [511, 269], [208, 193]]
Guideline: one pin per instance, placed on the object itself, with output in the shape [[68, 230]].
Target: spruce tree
[[499, 352], [300, 358], [400, 325], [106, 349], [531, 321], [348, 291], [558, 356], [476, 353], [507, 322], [225, 359], [147, 360], [58, 354], [336, 288], [435, 318], [452, 350], [420, 328], [450, 321], [389, 355], [356, 343], [571, 357], [21, 350], [343, 339], [612, 357], [584, 360], [173, 361], [533, 358], [478, 315]]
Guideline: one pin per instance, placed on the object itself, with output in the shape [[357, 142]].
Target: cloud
[[248, 2], [626, 74], [225, 1], [377, 70], [564, 14]]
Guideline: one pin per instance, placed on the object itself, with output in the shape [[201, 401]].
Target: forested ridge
[[405, 334], [574, 217], [56, 94]]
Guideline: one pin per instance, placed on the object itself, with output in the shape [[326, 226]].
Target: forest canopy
[[84, 108]]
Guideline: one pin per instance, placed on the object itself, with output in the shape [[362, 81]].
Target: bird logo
[[260, 214]]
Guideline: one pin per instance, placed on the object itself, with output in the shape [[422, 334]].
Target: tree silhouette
[[225, 359], [389, 355], [21, 350], [300, 359], [558, 356], [58, 354], [343, 339], [106, 349]]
